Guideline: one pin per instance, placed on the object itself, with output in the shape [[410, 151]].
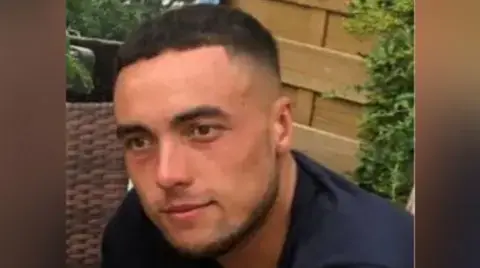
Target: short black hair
[[196, 26]]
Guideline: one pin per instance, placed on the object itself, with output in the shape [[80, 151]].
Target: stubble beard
[[254, 222]]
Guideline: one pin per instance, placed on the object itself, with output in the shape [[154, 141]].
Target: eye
[[137, 143], [205, 133], [202, 130]]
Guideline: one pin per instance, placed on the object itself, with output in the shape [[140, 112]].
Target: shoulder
[[128, 217], [349, 225], [127, 238], [130, 239]]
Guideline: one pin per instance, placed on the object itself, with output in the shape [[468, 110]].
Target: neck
[[264, 249]]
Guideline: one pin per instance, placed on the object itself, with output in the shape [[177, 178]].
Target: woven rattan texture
[[96, 179]]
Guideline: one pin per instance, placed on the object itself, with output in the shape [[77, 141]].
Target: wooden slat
[[294, 22], [304, 108], [338, 38], [321, 70], [332, 5], [302, 103], [335, 152], [337, 116]]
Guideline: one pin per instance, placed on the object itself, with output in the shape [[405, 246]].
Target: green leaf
[[387, 129]]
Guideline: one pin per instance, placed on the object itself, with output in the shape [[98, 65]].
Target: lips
[[183, 208], [185, 213]]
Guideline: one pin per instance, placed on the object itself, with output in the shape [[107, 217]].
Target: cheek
[[137, 170], [243, 191], [142, 173], [140, 166], [242, 174]]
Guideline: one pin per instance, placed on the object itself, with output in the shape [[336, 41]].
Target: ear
[[283, 124]]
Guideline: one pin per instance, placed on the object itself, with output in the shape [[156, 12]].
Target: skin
[[209, 130]]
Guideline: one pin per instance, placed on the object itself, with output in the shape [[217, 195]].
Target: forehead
[[178, 80]]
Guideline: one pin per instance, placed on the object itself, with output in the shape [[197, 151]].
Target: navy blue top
[[334, 224]]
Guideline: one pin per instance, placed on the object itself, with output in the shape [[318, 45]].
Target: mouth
[[186, 211]]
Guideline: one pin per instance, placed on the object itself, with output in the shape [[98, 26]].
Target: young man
[[208, 146]]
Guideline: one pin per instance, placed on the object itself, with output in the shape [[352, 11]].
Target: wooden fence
[[319, 59]]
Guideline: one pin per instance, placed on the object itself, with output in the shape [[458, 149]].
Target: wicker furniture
[[96, 179]]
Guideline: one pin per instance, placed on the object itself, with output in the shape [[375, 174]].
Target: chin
[[201, 247], [196, 250], [191, 240]]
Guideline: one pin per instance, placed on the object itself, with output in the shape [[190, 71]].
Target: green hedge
[[106, 19], [112, 19], [76, 71], [387, 130]]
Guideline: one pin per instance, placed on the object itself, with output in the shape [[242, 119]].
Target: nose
[[171, 167]]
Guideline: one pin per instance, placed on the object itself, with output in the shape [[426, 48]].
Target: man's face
[[201, 145]]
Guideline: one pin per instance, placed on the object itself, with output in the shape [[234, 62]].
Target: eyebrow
[[202, 111], [127, 129]]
